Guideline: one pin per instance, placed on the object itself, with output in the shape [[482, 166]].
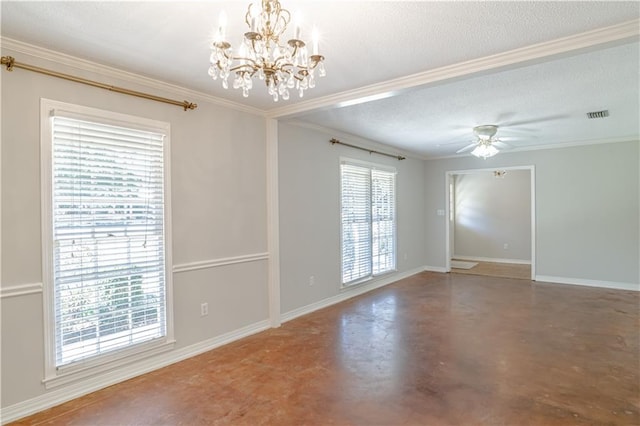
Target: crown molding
[[615, 34], [111, 72]]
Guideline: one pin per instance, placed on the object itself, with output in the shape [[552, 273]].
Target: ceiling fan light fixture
[[485, 135], [485, 132], [484, 150]]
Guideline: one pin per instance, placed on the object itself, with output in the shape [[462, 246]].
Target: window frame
[[56, 376], [371, 166]]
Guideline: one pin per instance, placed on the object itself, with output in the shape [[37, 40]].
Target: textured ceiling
[[537, 105], [367, 43]]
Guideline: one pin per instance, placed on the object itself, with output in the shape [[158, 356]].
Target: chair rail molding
[[214, 263], [20, 290]]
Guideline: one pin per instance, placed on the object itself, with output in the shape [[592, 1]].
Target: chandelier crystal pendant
[[281, 67]]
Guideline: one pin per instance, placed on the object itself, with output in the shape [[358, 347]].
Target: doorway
[[490, 226]]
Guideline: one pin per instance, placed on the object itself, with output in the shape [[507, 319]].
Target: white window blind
[[368, 221], [383, 220], [108, 227]]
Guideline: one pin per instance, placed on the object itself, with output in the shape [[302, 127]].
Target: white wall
[[309, 176], [493, 211], [219, 211], [587, 209]]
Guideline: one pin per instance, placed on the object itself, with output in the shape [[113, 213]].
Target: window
[[368, 220], [107, 279]]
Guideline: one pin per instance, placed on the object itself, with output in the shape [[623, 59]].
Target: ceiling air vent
[[598, 114]]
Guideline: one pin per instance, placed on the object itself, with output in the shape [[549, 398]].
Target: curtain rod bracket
[[370, 151], [11, 63]]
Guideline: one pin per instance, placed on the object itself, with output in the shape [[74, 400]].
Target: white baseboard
[[348, 293], [588, 283], [436, 269], [61, 395], [492, 259]]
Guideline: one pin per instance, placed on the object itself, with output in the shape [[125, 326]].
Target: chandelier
[[281, 67]]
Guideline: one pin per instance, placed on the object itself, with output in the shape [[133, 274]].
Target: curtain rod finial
[[8, 61], [189, 105]]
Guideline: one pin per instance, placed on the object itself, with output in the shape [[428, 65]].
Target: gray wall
[[586, 215], [493, 211], [218, 165], [309, 185], [587, 209]]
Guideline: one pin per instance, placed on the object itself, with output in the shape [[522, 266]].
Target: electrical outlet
[[312, 280], [405, 256], [506, 246], [204, 309]]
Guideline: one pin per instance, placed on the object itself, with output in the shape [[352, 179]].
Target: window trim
[[57, 376], [371, 166]]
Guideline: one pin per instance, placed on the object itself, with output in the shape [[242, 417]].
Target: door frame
[[448, 179]]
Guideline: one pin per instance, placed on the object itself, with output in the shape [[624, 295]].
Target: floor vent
[[598, 114]]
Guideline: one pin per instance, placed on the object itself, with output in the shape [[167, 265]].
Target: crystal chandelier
[[282, 68]]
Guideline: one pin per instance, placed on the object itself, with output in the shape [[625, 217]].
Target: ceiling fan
[[486, 144]]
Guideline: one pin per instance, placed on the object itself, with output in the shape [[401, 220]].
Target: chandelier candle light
[[281, 67]]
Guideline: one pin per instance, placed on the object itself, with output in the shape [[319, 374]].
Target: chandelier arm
[[277, 61], [219, 65], [310, 67], [253, 64], [226, 55], [244, 68], [282, 69], [298, 77]]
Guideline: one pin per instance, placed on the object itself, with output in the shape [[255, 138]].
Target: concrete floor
[[493, 269], [432, 349]]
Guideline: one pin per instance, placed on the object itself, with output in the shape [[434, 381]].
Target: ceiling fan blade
[[466, 148], [502, 144], [518, 130], [504, 116], [535, 120], [455, 141]]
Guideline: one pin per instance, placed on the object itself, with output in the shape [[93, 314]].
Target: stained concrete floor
[[432, 349], [494, 269]]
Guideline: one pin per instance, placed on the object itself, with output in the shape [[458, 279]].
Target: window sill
[[70, 374], [366, 280]]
